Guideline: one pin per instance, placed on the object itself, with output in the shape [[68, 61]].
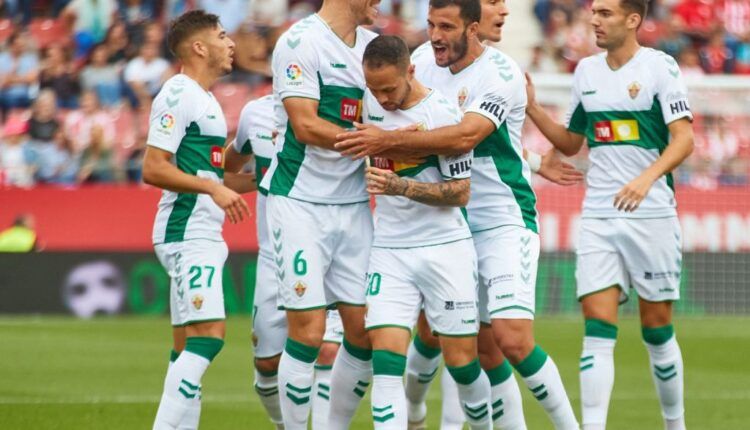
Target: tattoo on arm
[[450, 193]]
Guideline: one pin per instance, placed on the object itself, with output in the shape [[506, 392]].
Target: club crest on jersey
[[463, 94], [633, 89], [197, 301], [217, 156], [300, 288], [351, 109]]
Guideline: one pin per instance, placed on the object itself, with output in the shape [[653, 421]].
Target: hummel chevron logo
[[540, 392], [526, 265], [298, 395], [383, 414], [281, 274], [665, 373], [525, 240], [171, 102], [674, 73], [175, 90], [277, 234], [278, 247], [293, 43], [279, 261], [587, 362], [476, 413], [189, 390], [497, 409]]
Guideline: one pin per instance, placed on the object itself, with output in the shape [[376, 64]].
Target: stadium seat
[[6, 29], [46, 31]]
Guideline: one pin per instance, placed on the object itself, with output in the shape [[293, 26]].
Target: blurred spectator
[[716, 57], [90, 20], [699, 17], [540, 61], [690, 63], [146, 73], [251, 59], [735, 14], [232, 13], [20, 237], [742, 55], [58, 164], [19, 73], [79, 124], [43, 125], [673, 41], [153, 34], [270, 13], [734, 172], [102, 77], [97, 160], [119, 48], [15, 168], [59, 74]]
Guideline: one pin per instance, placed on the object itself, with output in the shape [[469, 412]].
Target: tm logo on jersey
[[351, 109], [616, 131], [387, 164], [217, 156]]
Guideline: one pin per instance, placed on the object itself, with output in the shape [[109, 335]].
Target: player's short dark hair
[[188, 24], [639, 7], [386, 51], [470, 10]]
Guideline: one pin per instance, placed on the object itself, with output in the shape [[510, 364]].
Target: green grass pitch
[[60, 373]]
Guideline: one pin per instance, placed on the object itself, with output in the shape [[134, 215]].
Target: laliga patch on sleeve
[[293, 75], [166, 124]]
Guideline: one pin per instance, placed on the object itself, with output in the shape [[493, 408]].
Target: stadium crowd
[[77, 76]]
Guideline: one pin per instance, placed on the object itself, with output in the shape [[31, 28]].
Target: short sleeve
[[456, 167], [169, 119], [242, 144], [494, 104], [671, 90], [295, 67], [575, 119]]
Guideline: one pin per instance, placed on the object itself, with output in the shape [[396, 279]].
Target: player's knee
[[206, 347], [327, 353], [427, 338], [515, 345], [267, 365], [459, 351]]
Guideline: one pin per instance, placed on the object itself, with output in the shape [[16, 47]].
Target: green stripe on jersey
[[193, 154], [510, 169], [292, 155], [653, 133], [261, 166]]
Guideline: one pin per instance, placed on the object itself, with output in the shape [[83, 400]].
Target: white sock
[[321, 397], [543, 379], [296, 376], [452, 416], [422, 364], [507, 405], [181, 388], [474, 394], [388, 402], [597, 375], [667, 372], [267, 388], [193, 415], [352, 373]]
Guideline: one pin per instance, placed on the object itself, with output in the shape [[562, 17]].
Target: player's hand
[[554, 169], [632, 194], [384, 182], [530, 91], [232, 203], [365, 141]]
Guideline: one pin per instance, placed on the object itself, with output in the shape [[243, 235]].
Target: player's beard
[[459, 50], [220, 63]]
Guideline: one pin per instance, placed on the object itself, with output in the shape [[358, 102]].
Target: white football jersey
[[255, 136], [494, 87], [311, 61], [624, 115], [187, 121], [399, 221]]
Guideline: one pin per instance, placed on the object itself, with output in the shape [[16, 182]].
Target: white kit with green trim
[[187, 121], [311, 61], [624, 115], [399, 221]]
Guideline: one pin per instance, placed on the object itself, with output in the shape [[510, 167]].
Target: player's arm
[[450, 140], [454, 193], [308, 127], [234, 162], [566, 141], [551, 167], [679, 148]]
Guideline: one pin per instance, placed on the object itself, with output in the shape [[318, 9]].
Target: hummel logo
[[589, 93], [338, 66]]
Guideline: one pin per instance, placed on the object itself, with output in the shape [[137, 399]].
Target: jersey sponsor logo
[[463, 94], [351, 109], [616, 131], [294, 76], [458, 167], [650, 276], [217, 156], [633, 89], [679, 107], [451, 305], [387, 164], [494, 106]]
